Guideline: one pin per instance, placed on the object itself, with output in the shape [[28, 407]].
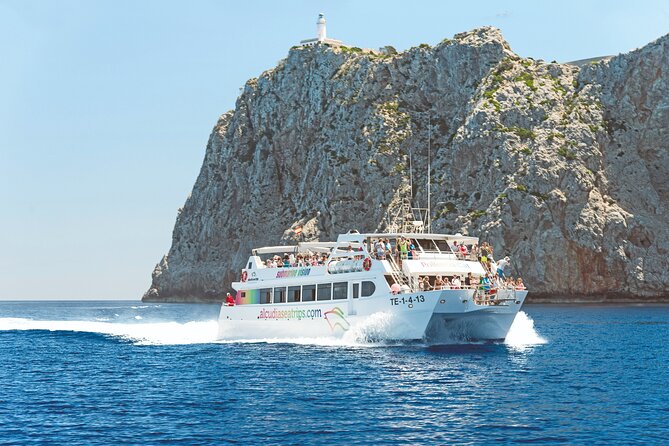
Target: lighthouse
[[321, 35]]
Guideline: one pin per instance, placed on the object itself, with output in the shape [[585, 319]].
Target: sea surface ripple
[[128, 373]]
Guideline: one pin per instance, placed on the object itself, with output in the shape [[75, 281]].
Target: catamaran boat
[[354, 292]]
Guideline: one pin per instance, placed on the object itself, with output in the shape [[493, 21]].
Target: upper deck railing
[[408, 219]]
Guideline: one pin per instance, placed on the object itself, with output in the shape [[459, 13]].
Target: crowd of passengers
[[495, 272], [488, 282], [405, 248], [299, 260]]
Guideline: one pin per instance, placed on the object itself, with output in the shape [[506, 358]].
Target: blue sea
[[101, 373]]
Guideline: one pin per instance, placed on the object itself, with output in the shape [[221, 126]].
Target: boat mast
[[429, 143], [411, 174]]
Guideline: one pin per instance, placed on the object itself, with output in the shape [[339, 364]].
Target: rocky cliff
[[565, 169]]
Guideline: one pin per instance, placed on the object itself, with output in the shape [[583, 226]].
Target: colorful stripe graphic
[[248, 297], [337, 318]]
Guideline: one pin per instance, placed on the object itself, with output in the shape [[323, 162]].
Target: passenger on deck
[[426, 284], [485, 283], [403, 248], [421, 285], [229, 300], [509, 283], [519, 284], [469, 280], [484, 255], [475, 252], [413, 254], [456, 284], [501, 266], [387, 247], [439, 283], [380, 250]]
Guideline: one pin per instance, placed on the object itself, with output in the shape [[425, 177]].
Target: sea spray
[[522, 332], [372, 329]]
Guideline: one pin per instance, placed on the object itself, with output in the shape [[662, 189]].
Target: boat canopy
[[357, 239], [462, 239], [445, 267], [300, 247], [273, 249]]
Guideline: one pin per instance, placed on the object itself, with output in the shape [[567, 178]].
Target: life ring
[[367, 264], [245, 276]]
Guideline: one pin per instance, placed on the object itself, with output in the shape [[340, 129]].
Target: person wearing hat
[[229, 300], [501, 266]]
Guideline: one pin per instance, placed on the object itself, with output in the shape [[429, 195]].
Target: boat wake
[[144, 332]]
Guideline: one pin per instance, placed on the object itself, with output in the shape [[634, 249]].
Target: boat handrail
[[396, 273]]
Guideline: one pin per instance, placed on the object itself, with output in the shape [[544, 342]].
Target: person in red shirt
[[229, 300]]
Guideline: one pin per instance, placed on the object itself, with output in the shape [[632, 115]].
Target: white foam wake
[[523, 333], [162, 333], [147, 333], [367, 334]]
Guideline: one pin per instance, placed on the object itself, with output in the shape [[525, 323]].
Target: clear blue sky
[[106, 107]]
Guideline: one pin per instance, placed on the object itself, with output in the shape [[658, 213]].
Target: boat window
[[368, 288], [308, 293], [266, 296], [279, 295], [356, 290], [324, 291], [293, 294], [340, 290], [443, 245], [428, 245]]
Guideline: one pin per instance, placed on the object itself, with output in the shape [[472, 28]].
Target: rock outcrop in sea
[[565, 169]]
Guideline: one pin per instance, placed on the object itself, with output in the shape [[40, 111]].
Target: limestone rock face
[[566, 170]]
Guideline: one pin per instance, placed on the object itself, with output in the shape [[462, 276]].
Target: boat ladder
[[396, 273]]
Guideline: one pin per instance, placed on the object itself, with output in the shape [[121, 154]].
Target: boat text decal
[[292, 313], [410, 300], [293, 273]]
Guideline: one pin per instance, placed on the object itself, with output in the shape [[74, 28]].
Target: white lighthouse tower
[[321, 35]]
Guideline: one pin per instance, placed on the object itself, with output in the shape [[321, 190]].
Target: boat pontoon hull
[[436, 317]]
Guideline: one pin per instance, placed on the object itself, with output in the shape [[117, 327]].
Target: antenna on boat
[[411, 173], [429, 143]]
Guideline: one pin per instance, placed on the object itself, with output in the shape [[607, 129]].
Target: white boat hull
[[444, 316], [459, 318]]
